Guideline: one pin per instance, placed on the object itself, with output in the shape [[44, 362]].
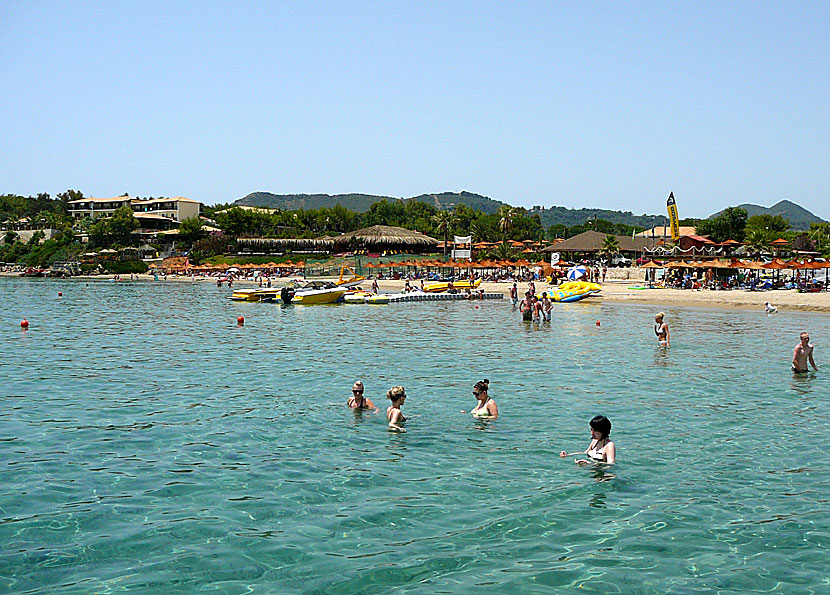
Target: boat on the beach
[[450, 285], [572, 291]]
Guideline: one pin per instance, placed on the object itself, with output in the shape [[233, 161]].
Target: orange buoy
[[24, 323], [240, 321], [597, 322]]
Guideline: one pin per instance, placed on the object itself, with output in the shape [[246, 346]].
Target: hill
[[799, 217], [446, 201]]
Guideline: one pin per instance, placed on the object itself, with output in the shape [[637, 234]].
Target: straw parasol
[[652, 265], [385, 236], [775, 265]]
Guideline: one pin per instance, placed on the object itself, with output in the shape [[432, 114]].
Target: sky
[[576, 104]]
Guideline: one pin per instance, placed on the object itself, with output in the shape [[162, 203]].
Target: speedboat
[[317, 292], [450, 285]]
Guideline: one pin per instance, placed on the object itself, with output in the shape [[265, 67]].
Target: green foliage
[[774, 224], [190, 230], [125, 267], [819, 233], [503, 251], [729, 224], [122, 224], [444, 220], [758, 240], [610, 246]]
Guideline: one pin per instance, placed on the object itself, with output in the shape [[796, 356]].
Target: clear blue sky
[[596, 104]]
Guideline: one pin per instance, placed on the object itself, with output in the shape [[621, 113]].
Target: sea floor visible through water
[[150, 444]]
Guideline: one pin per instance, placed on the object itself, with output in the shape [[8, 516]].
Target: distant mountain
[[799, 217], [446, 201]]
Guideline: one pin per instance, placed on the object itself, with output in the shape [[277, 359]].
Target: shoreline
[[612, 292]]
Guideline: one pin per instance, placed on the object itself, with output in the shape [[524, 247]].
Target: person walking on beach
[[375, 286], [514, 294], [802, 354], [601, 449], [397, 395], [357, 400], [526, 308], [604, 272], [661, 329], [486, 407]]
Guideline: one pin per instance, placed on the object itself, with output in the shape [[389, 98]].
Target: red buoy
[[597, 322], [240, 321], [60, 293], [24, 323]]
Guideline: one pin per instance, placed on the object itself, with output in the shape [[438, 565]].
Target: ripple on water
[[151, 444]]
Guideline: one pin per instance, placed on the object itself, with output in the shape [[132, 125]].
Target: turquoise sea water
[[148, 443]]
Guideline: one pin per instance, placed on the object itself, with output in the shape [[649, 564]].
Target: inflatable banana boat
[[572, 291], [448, 285]]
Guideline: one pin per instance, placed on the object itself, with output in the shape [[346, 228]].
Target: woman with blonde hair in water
[[661, 329], [396, 394], [486, 407]]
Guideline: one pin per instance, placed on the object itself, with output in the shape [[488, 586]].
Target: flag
[[673, 220]]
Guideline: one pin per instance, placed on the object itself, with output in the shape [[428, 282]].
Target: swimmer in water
[[486, 407], [601, 449], [397, 395], [661, 329], [802, 353], [769, 308], [357, 400]]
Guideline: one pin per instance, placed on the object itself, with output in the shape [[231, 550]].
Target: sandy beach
[[612, 291]]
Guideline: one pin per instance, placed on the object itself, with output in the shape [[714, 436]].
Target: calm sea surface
[[147, 443]]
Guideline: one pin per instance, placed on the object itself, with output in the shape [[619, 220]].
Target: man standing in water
[[802, 354], [514, 294], [526, 307]]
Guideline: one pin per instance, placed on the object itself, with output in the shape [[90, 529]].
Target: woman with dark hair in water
[[486, 407], [601, 449]]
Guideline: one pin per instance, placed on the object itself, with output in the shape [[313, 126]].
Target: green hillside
[[445, 200], [799, 217]]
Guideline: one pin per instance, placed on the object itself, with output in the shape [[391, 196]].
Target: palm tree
[[757, 240], [610, 246], [503, 251], [444, 221], [506, 214]]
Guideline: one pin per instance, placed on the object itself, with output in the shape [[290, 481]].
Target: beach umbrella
[[576, 272]]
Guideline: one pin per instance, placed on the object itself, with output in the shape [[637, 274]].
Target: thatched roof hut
[[323, 243], [385, 237]]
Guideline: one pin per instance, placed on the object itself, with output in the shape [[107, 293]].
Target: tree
[[772, 223], [444, 221], [729, 225], [757, 240], [503, 251], [122, 224], [610, 246], [506, 214], [190, 230]]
